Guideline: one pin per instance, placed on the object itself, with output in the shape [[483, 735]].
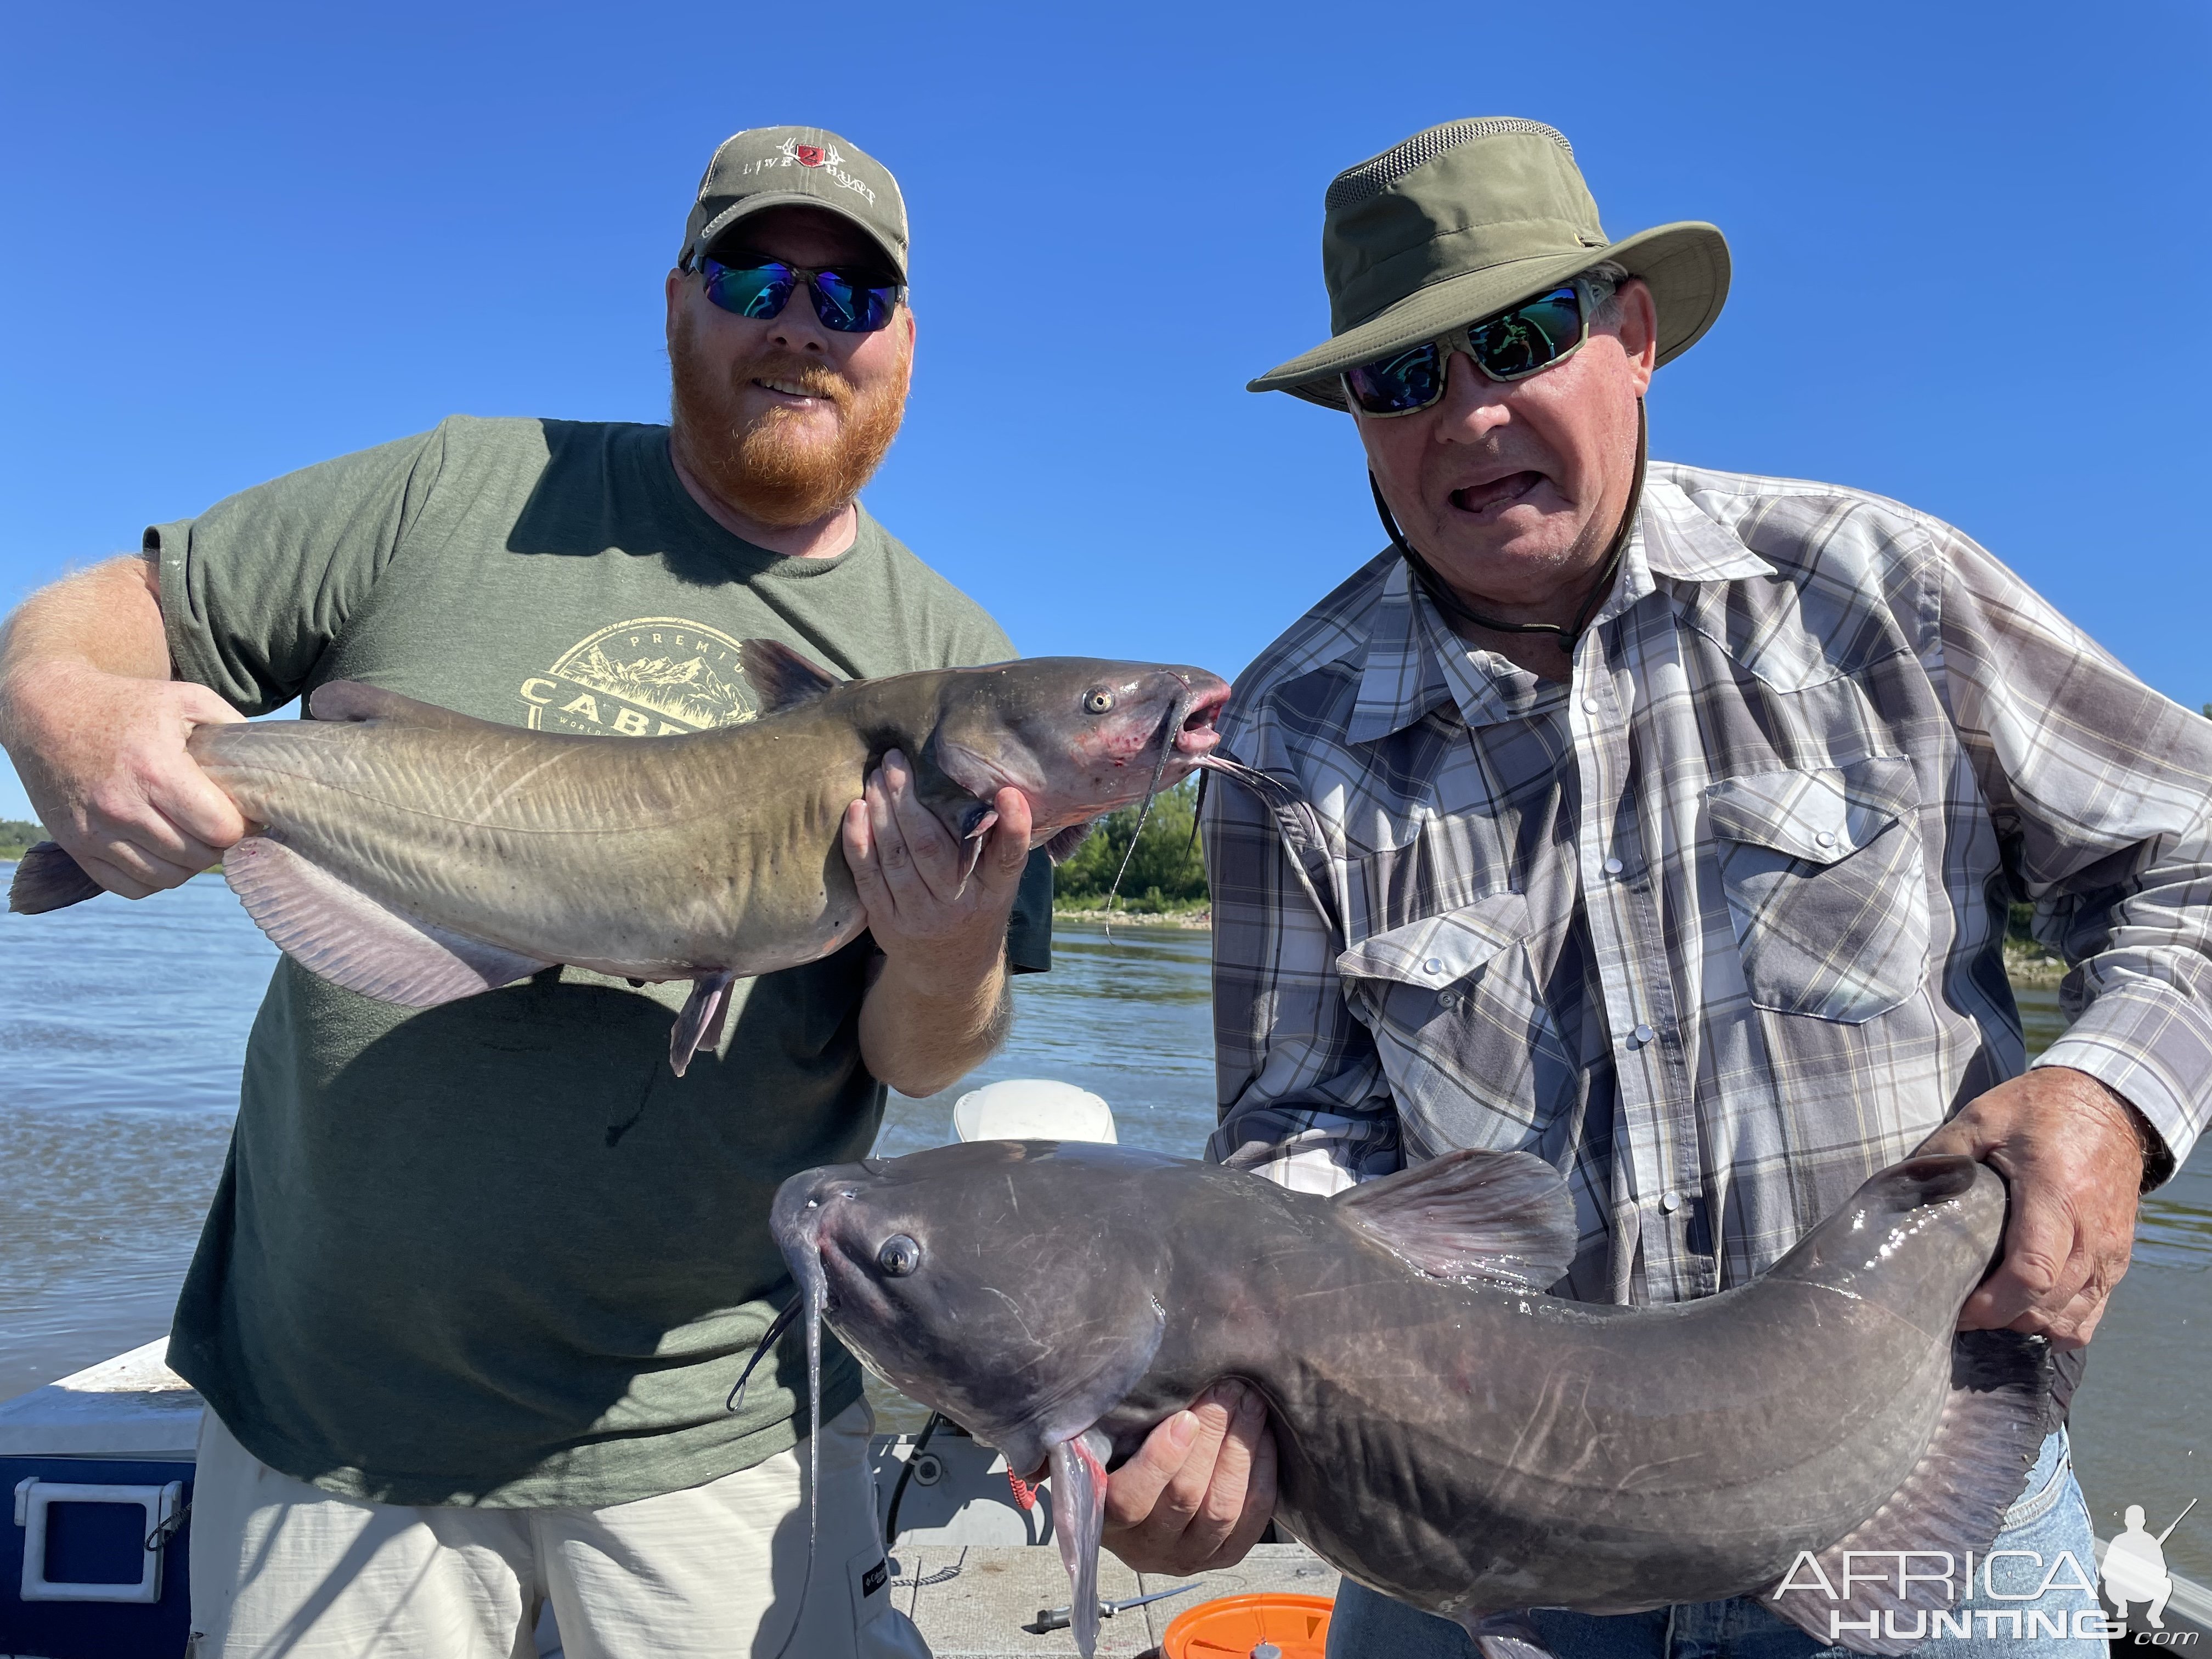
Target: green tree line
[[17, 834], [1166, 872]]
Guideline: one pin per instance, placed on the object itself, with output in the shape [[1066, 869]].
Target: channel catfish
[[418, 855], [1447, 1434]]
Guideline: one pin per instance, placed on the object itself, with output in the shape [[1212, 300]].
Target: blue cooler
[[98, 1468]]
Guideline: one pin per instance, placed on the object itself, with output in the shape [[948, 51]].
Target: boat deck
[[973, 1600]]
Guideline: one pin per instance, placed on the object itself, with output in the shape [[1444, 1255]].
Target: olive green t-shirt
[[495, 1252]]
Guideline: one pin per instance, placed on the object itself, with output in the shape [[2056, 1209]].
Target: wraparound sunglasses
[[849, 301], [1511, 346]]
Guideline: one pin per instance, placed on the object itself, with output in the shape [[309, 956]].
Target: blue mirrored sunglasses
[[848, 301], [1512, 345]]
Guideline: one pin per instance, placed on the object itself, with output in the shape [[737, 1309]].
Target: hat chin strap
[[1442, 595]]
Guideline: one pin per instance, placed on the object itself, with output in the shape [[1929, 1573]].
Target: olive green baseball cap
[[796, 167], [1465, 220]]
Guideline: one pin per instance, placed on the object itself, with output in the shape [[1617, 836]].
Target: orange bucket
[[1232, 1626]]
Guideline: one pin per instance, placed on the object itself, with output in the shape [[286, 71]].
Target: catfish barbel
[[1446, 1433], [418, 855]]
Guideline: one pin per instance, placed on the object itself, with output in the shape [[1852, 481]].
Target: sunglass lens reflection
[[852, 307], [1528, 338], [751, 290], [1412, 378]]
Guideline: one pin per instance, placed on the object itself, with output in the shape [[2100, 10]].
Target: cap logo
[[829, 158]]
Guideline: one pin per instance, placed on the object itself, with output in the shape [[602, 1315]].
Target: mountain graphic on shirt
[[689, 690], [650, 677]]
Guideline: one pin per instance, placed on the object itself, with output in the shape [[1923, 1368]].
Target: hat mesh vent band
[[1377, 173]]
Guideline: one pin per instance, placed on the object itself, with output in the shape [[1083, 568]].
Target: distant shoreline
[[1188, 921]]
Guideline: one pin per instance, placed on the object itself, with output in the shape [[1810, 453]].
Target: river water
[[122, 1027]]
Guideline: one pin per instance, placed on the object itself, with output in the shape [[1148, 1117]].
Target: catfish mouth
[[1197, 735]]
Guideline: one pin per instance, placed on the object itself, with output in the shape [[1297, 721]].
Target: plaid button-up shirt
[[1716, 927]]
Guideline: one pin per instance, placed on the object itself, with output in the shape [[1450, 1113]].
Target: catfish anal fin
[[783, 679], [47, 878], [352, 940], [1956, 1498], [700, 1024], [1471, 1213], [1078, 1520]]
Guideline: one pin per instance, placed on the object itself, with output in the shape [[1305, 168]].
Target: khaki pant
[[282, 1568]]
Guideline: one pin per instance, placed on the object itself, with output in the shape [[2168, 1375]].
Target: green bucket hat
[[1468, 219]]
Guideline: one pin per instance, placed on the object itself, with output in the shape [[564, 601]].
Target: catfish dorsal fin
[[1471, 1214], [783, 678], [356, 701]]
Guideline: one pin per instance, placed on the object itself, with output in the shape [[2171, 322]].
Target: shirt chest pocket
[[1451, 1002], [1826, 886]]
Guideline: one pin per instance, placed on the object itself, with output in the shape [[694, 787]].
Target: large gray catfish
[[418, 855], [1448, 1435]]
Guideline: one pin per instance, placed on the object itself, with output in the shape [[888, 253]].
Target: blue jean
[[2050, 1517]]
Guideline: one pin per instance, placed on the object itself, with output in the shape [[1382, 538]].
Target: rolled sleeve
[[2099, 789]]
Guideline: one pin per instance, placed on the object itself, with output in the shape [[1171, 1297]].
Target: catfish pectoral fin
[[1508, 1636], [47, 878], [1079, 1521], [352, 940], [699, 1025]]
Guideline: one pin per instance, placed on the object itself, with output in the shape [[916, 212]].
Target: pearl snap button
[[1433, 965], [1643, 1034], [1590, 705], [1825, 839], [1670, 1201], [1612, 866]]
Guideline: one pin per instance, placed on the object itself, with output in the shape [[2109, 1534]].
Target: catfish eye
[[1097, 701], [899, 1256]]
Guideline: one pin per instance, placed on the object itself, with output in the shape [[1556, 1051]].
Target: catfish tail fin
[[49, 879], [1955, 1500]]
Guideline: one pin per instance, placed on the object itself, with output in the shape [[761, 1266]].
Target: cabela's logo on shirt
[[654, 676]]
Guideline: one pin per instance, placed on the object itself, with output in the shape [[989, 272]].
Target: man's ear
[[1638, 327], [673, 289]]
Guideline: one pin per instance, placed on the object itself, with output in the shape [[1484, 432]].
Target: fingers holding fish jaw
[[1201, 1489]]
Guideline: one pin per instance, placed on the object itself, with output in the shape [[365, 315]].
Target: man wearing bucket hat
[[478, 1279], [1664, 822]]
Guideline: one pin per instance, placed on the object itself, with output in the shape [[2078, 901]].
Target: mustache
[[810, 375]]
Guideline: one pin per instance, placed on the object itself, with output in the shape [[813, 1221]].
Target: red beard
[[767, 468]]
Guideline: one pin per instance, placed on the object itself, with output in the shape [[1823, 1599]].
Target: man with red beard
[[478, 1278]]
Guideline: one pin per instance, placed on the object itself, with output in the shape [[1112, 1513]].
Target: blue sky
[[1969, 244]]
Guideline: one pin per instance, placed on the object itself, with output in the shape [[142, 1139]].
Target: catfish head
[[1000, 1282], [1079, 736]]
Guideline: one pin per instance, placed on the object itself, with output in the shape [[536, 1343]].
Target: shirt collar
[[1415, 663]]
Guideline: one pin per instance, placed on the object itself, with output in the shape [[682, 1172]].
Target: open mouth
[[790, 390], [1198, 735], [1499, 493]]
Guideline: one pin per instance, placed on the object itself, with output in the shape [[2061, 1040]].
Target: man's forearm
[[108, 618], [921, 1030], [97, 730]]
